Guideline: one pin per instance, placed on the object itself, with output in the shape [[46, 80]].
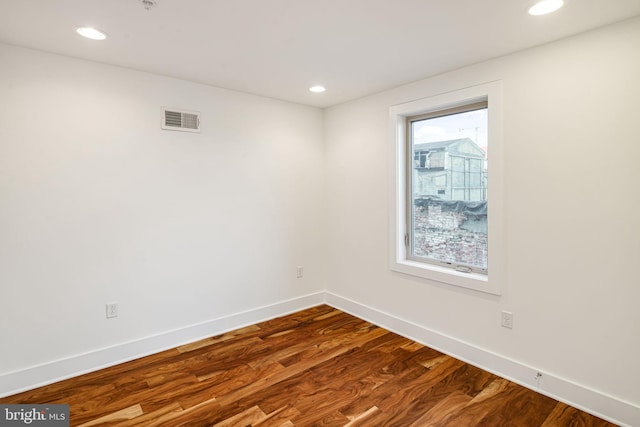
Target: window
[[425, 159], [446, 210], [448, 226]]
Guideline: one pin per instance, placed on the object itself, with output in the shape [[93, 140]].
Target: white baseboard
[[37, 376], [579, 396]]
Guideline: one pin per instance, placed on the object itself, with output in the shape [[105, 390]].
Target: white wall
[[98, 204], [570, 128]]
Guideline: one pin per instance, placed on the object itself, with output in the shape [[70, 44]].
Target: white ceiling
[[279, 48]]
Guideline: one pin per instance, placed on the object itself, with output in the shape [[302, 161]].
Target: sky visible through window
[[471, 124]]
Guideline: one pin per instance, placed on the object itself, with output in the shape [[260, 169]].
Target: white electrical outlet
[[112, 310], [507, 319], [299, 272]]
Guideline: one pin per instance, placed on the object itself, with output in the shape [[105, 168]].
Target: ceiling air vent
[[183, 120]]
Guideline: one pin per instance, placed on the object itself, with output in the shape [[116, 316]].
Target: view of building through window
[[449, 188]]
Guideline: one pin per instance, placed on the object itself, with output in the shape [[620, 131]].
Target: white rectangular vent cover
[[182, 120]]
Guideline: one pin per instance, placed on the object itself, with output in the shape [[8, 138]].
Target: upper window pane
[[448, 188]]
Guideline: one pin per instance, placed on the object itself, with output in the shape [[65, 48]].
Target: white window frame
[[398, 227]]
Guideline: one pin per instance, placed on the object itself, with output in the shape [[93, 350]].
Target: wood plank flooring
[[318, 367]]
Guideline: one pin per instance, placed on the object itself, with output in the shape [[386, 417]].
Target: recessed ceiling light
[[317, 89], [545, 6], [91, 33]]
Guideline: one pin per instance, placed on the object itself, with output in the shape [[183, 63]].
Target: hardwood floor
[[318, 367]]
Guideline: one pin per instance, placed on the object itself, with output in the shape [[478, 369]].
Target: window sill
[[474, 281]]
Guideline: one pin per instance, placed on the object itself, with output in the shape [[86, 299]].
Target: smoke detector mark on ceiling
[[148, 4]]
